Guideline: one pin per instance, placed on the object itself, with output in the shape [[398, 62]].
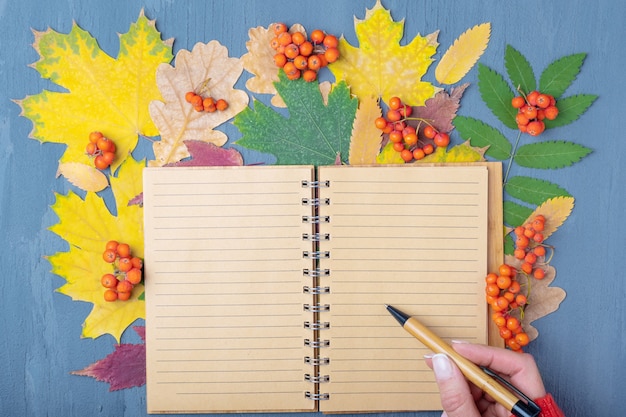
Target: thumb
[[456, 398]]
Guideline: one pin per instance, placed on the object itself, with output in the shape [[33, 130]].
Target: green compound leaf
[[497, 95], [515, 214], [314, 133], [570, 109], [482, 135], [532, 190], [550, 155], [519, 70], [509, 245], [560, 74]]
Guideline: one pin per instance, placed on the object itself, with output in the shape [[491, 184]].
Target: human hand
[[459, 398]]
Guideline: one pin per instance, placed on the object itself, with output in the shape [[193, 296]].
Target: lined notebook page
[[224, 299], [412, 237]]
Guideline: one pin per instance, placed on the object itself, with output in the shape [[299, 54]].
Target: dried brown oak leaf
[[208, 71]]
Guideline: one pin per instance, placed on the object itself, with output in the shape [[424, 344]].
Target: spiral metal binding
[[315, 184], [317, 397], [316, 237], [315, 219], [316, 273], [316, 254], [317, 379], [316, 308], [315, 290], [316, 325], [316, 361], [317, 343], [316, 202]]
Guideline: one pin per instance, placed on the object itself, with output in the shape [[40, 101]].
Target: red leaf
[[124, 368], [208, 154], [442, 108]]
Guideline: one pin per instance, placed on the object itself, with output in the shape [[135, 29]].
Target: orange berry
[[110, 295], [124, 286], [123, 295], [104, 144], [543, 101], [298, 38], [280, 60], [429, 132], [317, 36], [221, 104], [306, 48], [522, 242], [380, 123], [491, 278], [530, 257], [331, 54], [314, 62], [395, 103], [529, 111], [134, 276], [309, 75], [109, 256], [429, 148], [419, 153], [279, 28], [519, 253], [91, 148], [521, 119], [540, 251], [124, 264], [406, 155], [505, 270], [535, 128], [410, 139], [527, 267], [284, 38], [301, 62], [94, 136], [189, 96], [538, 238], [123, 250], [274, 44], [515, 287], [520, 299], [136, 262], [532, 98], [111, 244], [292, 51], [512, 323], [513, 345], [518, 102], [108, 281], [522, 339], [505, 333], [393, 115], [503, 282], [500, 321], [551, 112], [442, 139], [539, 274], [398, 147], [395, 136], [330, 41], [108, 157]]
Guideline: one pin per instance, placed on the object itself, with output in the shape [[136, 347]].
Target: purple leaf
[[208, 154]]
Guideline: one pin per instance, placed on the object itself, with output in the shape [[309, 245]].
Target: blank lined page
[[224, 278], [412, 237]]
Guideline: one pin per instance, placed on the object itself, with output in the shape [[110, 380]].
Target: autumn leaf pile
[[140, 95]]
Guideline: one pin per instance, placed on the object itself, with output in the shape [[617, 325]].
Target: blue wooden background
[[581, 347]]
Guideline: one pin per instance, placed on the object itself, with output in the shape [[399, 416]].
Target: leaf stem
[[510, 162]]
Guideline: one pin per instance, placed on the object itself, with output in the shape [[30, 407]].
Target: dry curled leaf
[[207, 69]]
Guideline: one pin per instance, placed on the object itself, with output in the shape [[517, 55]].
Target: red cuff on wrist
[[548, 406]]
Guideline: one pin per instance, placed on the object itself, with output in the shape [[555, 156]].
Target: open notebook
[[266, 285]]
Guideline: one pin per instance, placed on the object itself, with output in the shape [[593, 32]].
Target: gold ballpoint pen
[[484, 379]]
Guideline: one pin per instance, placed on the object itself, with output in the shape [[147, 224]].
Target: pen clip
[[534, 408]]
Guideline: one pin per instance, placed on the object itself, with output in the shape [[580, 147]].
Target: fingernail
[[460, 342], [442, 366], [429, 355]]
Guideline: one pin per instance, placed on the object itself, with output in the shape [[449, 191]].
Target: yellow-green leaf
[[366, 137], [380, 66], [463, 152], [389, 155], [463, 54], [87, 225], [103, 94]]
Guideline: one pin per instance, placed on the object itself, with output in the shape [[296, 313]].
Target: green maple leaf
[[313, 133]]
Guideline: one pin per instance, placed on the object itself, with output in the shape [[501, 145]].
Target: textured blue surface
[[581, 347]]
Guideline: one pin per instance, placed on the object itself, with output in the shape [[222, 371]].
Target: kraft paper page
[[415, 238], [224, 280]]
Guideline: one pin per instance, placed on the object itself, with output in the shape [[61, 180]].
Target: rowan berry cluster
[[302, 57], [206, 104], [532, 109], [101, 149], [127, 271], [504, 293], [412, 142]]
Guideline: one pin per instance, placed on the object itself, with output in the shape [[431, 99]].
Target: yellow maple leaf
[[463, 54], [381, 66], [104, 94], [366, 137], [87, 225], [207, 70]]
